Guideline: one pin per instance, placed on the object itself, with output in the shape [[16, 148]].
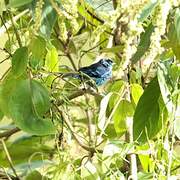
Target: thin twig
[[15, 30], [87, 148], [104, 3], [8, 24], [10, 132], [77, 94], [4, 60], [9, 158]]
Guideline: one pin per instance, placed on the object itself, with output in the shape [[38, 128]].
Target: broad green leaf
[[6, 90], [18, 3], [174, 34], [163, 78], [22, 148], [146, 116], [49, 17], [136, 92], [19, 61], [147, 10], [102, 113], [37, 47], [145, 159], [26, 101], [124, 111], [143, 44]]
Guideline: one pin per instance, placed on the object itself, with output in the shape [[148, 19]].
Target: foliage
[[128, 128]]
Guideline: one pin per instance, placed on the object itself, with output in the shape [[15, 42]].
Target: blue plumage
[[100, 72]]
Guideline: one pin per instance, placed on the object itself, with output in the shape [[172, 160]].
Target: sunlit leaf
[[147, 10], [52, 62], [2, 6], [177, 118], [19, 61], [143, 44], [18, 3], [136, 92], [124, 111], [165, 91], [146, 117], [174, 33], [102, 113], [117, 88]]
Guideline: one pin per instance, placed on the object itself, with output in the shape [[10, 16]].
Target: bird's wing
[[94, 70]]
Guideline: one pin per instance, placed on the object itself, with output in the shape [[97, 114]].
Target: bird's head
[[106, 62]]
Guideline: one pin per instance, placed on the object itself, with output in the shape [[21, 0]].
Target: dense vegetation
[[54, 127]]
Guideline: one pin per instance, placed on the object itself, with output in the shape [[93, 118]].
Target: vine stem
[[9, 158]]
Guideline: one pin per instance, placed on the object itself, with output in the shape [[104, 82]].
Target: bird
[[99, 72]]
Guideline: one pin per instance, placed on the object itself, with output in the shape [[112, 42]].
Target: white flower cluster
[[38, 15], [130, 11], [159, 21]]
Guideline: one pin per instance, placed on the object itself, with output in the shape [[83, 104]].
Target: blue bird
[[100, 72]]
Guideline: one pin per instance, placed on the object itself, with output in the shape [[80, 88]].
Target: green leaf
[[22, 148], [174, 33], [117, 88], [177, 118], [1, 114], [49, 17], [2, 6], [115, 49], [147, 10], [136, 92], [34, 175], [102, 113], [18, 3], [19, 61], [26, 101], [52, 62], [144, 44], [146, 117], [37, 47], [124, 111], [6, 89], [163, 77]]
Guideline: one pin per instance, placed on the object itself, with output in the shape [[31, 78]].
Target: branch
[[66, 120], [77, 94], [15, 30], [8, 24], [8, 133]]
